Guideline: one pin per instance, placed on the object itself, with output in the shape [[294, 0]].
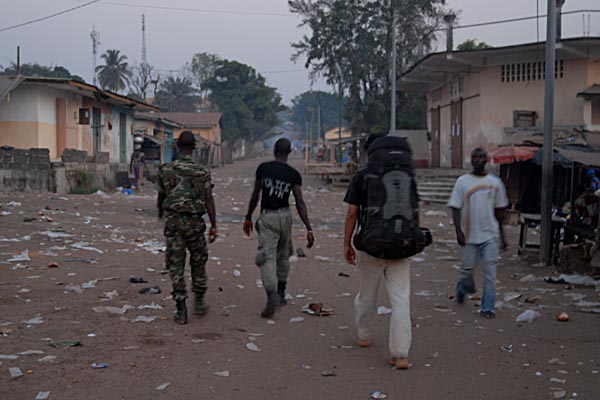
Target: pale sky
[[234, 29]]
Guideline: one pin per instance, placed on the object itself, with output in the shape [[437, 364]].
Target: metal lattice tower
[[95, 35], [144, 58]]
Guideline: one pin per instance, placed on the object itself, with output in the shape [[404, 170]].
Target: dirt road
[[99, 242]]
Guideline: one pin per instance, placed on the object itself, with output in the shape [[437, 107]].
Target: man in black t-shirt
[[276, 180]]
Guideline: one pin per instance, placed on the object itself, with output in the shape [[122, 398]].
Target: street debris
[[113, 310], [563, 316], [381, 310], [296, 319], [317, 309], [150, 290], [34, 321], [15, 372], [142, 318], [252, 346], [137, 280], [375, 394], [61, 344], [528, 316], [42, 396], [224, 374], [85, 246], [328, 373], [22, 257], [99, 366], [163, 386], [47, 359]]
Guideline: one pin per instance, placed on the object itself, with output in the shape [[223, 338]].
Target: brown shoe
[[399, 363], [364, 343]]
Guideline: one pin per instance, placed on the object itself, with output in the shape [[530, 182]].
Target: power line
[[200, 10], [49, 16], [522, 19]]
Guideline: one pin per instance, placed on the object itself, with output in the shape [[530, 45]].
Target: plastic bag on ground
[[528, 316]]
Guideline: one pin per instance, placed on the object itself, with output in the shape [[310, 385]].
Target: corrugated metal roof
[[8, 83], [592, 91], [586, 156]]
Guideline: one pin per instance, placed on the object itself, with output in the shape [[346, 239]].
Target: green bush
[[84, 182]]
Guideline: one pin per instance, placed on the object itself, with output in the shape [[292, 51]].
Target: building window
[[529, 71], [524, 119], [596, 111]]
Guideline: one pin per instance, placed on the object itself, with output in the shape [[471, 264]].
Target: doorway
[[456, 134], [435, 137], [97, 130]]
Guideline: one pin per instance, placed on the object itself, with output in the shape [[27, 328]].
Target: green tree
[[35, 69], [249, 106], [176, 94], [114, 75], [471, 44], [202, 68], [350, 41], [304, 110]]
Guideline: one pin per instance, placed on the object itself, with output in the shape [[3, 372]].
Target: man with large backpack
[[383, 199]]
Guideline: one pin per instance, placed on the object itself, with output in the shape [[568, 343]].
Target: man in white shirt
[[478, 203]]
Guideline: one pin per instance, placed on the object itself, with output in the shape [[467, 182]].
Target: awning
[[510, 154]]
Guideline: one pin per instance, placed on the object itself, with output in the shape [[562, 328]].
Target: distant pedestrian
[[276, 180], [383, 199], [478, 204], [174, 150], [137, 165], [185, 195]]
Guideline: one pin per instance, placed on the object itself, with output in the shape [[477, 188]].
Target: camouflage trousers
[[186, 232], [274, 228]]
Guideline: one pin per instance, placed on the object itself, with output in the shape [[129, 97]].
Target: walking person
[[478, 204], [138, 161], [185, 195], [275, 180], [383, 199]]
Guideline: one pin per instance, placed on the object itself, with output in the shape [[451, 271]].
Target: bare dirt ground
[[455, 353]]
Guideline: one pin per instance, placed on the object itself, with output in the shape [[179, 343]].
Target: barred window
[[529, 71]]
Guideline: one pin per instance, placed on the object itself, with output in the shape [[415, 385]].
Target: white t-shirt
[[477, 197]]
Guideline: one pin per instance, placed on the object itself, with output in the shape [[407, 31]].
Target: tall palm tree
[[114, 75], [176, 94]]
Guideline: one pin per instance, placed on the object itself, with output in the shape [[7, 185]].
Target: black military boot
[[272, 302], [200, 307], [181, 315], [281, 292]]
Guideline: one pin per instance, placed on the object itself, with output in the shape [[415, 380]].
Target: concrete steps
[[435, 185]]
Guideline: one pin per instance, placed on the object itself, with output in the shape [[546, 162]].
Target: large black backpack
[[389, 218]]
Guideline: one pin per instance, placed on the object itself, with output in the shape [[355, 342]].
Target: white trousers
[[396, 275]]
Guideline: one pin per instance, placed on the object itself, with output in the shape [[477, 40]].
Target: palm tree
[[115, 74], [176, 94]]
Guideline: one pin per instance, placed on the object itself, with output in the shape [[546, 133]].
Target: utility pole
[[546, 195], [393, 72], [18, 60], [340, 95]]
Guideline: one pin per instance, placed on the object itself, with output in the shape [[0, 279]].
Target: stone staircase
[[435, 184]]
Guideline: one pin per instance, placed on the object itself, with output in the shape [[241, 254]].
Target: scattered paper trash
[[31, 352], [42, 396], [559, 394], [381, 310], [222, 373], [163, 386], [375, 394], [23, 256], [47, 359], [528, 316], [296, 319], [90, 284], [15, 372], [252, 346], [99, 366], [61, 344], [34, 321], [113, 310], [150, 290], [236, 273], [143, 318]]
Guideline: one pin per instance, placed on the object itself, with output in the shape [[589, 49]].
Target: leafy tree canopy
[[248, 105], [202, 68], [305, 106], [471, 44], [350, 41], [35, 69], [176, 94]]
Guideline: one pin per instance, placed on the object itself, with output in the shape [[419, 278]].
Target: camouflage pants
[[274, 228], [186, 232]]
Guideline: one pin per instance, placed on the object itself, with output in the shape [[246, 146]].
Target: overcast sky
[[234, 29]]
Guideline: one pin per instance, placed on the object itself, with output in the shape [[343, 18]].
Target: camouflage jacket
[[184, 183]]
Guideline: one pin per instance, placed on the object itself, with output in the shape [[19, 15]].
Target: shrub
[[84, 182]]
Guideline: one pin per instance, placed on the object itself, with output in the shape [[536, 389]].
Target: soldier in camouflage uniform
[[185, 194]]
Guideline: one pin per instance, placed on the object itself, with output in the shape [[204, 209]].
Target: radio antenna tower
[[95, 35], [144, 58]]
